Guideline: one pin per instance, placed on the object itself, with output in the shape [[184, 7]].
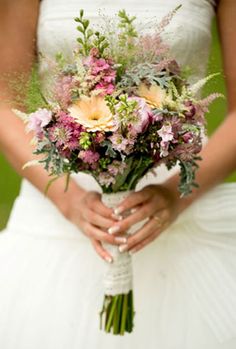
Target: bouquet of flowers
[[119, 108]]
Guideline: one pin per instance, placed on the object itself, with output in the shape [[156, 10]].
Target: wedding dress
[[51, 280]]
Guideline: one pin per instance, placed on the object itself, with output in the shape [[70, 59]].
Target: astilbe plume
[[150, 47], [63, 90], [202, 107], [166, 20]]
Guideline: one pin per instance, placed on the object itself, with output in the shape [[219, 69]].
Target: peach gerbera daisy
[[93, 113], [154, 95]]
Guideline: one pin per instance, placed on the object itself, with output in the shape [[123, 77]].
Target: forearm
[[218, 162], [15, 144]]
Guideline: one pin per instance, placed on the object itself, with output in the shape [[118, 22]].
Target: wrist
[[64, 200], [180, 203]]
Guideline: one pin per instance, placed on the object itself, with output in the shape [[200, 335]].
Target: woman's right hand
[[94, 219]]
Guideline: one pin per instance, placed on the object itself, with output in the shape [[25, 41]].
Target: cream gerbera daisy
[[154, 95], [93, 113]]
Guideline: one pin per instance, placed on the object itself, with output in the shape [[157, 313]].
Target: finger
[[144, 243], [142, 212], [95, 233], [132, 201], [97, 220], [101, 251], [147, 229], [149, 239], [162, 217], [99, 207]]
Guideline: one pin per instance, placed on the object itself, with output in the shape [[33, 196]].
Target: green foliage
[[187, 176], [85, 42], [122, 43], [135, 75], [101, 43], [60, 59], [126, 109], [111, 102], [128, 31], [103, 163], [89, 39]]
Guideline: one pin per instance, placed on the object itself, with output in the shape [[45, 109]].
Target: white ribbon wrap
[[118, 276]]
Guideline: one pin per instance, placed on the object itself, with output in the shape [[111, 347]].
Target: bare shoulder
[[23, 10], [226, 16], [18, 24]]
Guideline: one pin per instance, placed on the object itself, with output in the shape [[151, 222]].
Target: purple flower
[[88, 156], [38, 120]]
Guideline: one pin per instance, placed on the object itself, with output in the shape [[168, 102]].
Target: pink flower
[[88, 156], [144, 115], [190, 110], [100, 137], [122, 144], [105, 179], [166, 133], [107, 89], [187, 137], [94, 52], [117, 167], [65, 133], [99, 65], [60, 135], [167, 136], [100, 74], [38, 120]]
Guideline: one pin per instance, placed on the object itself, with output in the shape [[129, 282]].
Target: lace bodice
[[188, 34]]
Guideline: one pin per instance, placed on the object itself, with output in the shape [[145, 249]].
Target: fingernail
[[117, 218], [121, 240], [123, 248], [113, 230], [132, 252], [118, 210], [109, 259]]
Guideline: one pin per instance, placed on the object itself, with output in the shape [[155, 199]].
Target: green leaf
[[80, 29]]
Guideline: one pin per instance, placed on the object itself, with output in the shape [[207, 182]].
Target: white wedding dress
[[51, 280]]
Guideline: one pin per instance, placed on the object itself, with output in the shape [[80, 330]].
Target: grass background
[[10, 181]]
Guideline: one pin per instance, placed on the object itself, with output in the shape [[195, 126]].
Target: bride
[[185, 271]]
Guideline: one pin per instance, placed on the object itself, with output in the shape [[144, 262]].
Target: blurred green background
[[10, 181]]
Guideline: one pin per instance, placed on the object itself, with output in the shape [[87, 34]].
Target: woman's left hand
[[157, 205]]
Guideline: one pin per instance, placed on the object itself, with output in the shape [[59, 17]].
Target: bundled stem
[[117, 315]]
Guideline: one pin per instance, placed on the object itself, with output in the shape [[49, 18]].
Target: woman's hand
[[94, 219], [157, 205]]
